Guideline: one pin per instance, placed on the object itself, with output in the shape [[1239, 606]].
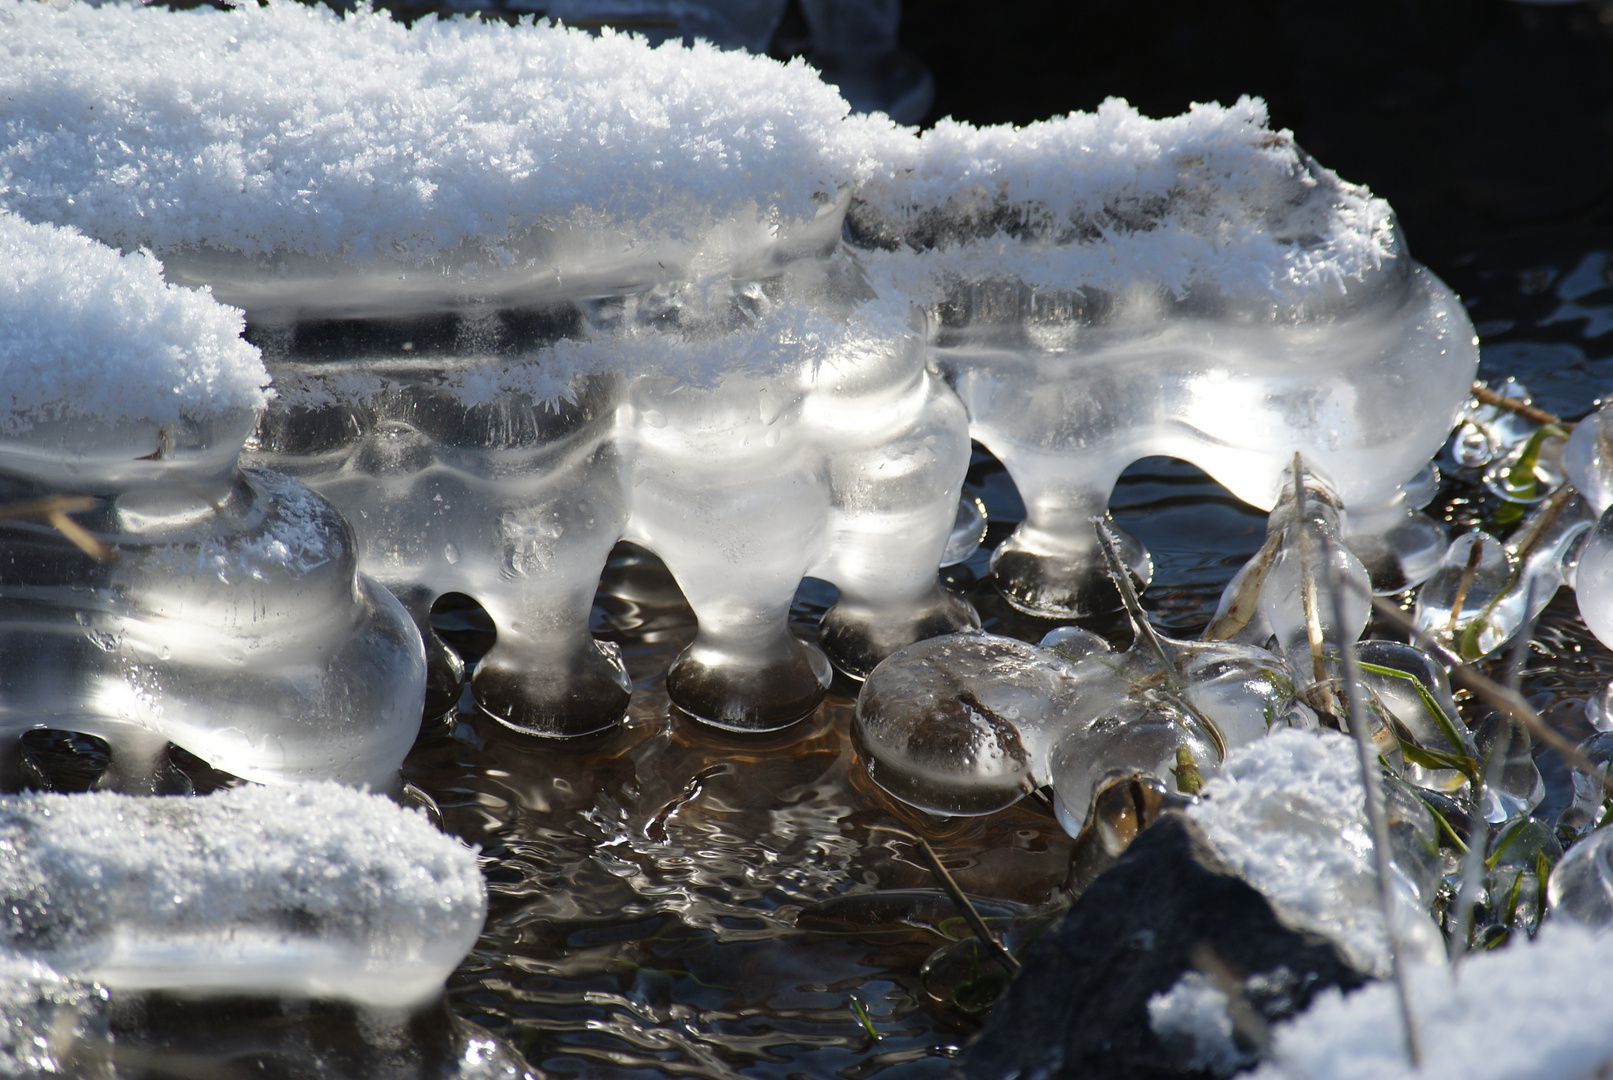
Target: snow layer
[[1540, 1010], [317, 890], [1288, 814], [86, 332], [288, 130], [1112, 198]]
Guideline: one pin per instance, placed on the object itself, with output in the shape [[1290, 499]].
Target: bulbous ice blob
[[961, 724], [1593, 580], [190, 602], [1468, 604], [1588, 459], [459, 475], [1287, 589], [1513, 784], [1581, 886], [1500, 585], [321, 891], [1121, 734], [1485, 433], [1588, 807], [1074, 642]]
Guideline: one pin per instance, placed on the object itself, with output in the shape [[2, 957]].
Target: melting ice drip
[[555, 291]]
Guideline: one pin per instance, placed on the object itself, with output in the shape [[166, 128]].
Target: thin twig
[[1485, 396], [950, 885], [1372, 790], [52, 510]]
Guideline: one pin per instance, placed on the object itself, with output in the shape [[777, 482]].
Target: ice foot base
[[856, 639], [554, 698], [749, 691], [1064, 585]]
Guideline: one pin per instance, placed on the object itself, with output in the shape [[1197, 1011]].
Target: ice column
[[460, 475], [1199, 288], [188, 600]]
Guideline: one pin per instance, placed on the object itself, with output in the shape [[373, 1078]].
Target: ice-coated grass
[[87, 332], [319, 889], [1540, 1009], [1288, 814]]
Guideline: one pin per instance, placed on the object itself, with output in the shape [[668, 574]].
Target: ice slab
[[1288, 814], [320, 891], [786, 322], [1541, 1008]]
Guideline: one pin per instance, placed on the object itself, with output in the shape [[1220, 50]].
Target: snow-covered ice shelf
[[526, 292]]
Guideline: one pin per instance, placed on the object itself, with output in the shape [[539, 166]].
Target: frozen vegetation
[[517, 294]]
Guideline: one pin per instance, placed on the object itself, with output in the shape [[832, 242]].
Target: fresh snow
[[318, 890], [88, 333]]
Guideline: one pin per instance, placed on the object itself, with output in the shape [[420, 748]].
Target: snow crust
[[1540, 1009], [1288, 813], [318, 890], [289, 130], [88, 333], [1194, 1011]]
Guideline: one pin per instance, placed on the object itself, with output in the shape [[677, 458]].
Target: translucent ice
[[1484, 588], [1581, 886], [224, 613], [970, 722], [1415, 690], [1288, 814], [1286, 591], [1593, 580], [961, 724], [1588, 459], [320, 891], [533, 291]]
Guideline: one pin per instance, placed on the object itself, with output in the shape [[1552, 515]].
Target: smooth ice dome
[[1541, 1009], [1288, 814], [319, 891]]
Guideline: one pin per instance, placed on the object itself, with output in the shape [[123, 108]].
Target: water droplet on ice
[[451, 553]]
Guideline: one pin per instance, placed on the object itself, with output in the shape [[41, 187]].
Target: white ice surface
[[287, 130], [319, 890], [1288, 814], [1535, 1010], [87, 332], [1195, 1011]]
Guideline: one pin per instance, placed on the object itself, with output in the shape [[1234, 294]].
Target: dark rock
[[1168, 906]]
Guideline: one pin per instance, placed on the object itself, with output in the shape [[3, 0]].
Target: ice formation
[[1541, 1009], [225, 614], [968, 723], [317, 891], [528, 292]]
